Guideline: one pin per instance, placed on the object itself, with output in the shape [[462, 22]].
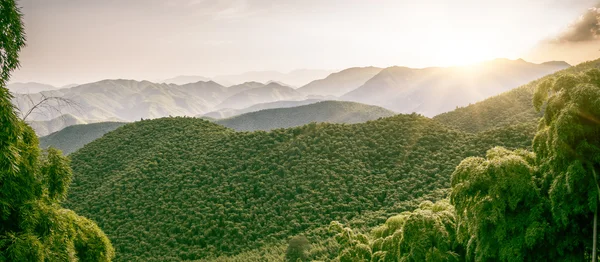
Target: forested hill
[[183, 188], [326, 111], [71, 138], [512, 107]]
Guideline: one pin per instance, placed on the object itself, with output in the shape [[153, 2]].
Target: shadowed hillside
[[326, 111], [74, 137]]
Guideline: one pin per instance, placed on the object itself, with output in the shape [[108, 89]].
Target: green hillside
[[326, 111], [71, 138], [182, 188], [512, 107]]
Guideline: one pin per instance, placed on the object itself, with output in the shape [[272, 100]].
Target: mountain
[[325, 111], [232, 90], [174, 189], [339, 83], [185, 79], [512, 107], [128, 100], [228, 112], [265, 94], [29, 88], [434, 90], [69, 86], [76, 134], [74, 137], [43, 128], [294, 78]]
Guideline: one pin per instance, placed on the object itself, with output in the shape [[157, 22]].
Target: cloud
[[586, 28]]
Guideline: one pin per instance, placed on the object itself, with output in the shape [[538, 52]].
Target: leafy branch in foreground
[[33, 225]]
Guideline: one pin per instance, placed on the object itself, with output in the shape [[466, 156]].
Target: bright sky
[[77, 41]]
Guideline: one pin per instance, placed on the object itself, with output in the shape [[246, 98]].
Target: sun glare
[[464, 54]]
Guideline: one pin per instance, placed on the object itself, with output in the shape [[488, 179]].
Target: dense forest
[[341, 112], [71, 138], [185, 188]]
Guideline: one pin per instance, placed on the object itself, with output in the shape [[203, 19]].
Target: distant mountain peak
[[557, 63], [277, 82]]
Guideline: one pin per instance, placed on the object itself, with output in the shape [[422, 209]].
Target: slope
[[269, 93], [341, 82], [228, 112], [43, 128], [512, 107], [184, 79], [176, 189], [434, 90], [129, 100], [74, 137], [326, 111]]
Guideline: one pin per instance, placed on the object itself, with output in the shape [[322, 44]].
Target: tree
[[567, 146], [429, 234], [425, 234], [297, 249], [33, 225], [500, 210]]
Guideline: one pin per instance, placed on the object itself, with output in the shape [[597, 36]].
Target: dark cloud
[[586, 28]]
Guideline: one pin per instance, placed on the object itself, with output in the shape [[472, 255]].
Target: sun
[[463, 54]]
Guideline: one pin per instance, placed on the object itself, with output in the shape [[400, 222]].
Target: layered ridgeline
[[511, 107], [230, 112], [44, 128], [326, 111], [74, 137], [427, 91], [341, 82], [29, 88], [184, 188], [434, 90], [129, 100]]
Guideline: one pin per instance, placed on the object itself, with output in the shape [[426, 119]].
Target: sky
[[79, 41]]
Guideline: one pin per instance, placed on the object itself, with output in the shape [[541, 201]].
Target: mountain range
[[293, 78], [77, 135], [428, 91], [29, 88], [434, 90], [320, 112]]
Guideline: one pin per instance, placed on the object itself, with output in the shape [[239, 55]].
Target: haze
[[87, 40]]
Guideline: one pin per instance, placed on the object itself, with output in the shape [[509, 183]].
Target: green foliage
[[568, 151], [33, 226], [182, 188], [297, 249], [326, 111], [56, 171], [72, 138], [425, 234], [12, 39], [500, 210]]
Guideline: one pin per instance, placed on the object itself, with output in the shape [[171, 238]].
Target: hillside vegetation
[[229, 112], [326, 111], [182, 188], [75, 137], [512, 107]]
